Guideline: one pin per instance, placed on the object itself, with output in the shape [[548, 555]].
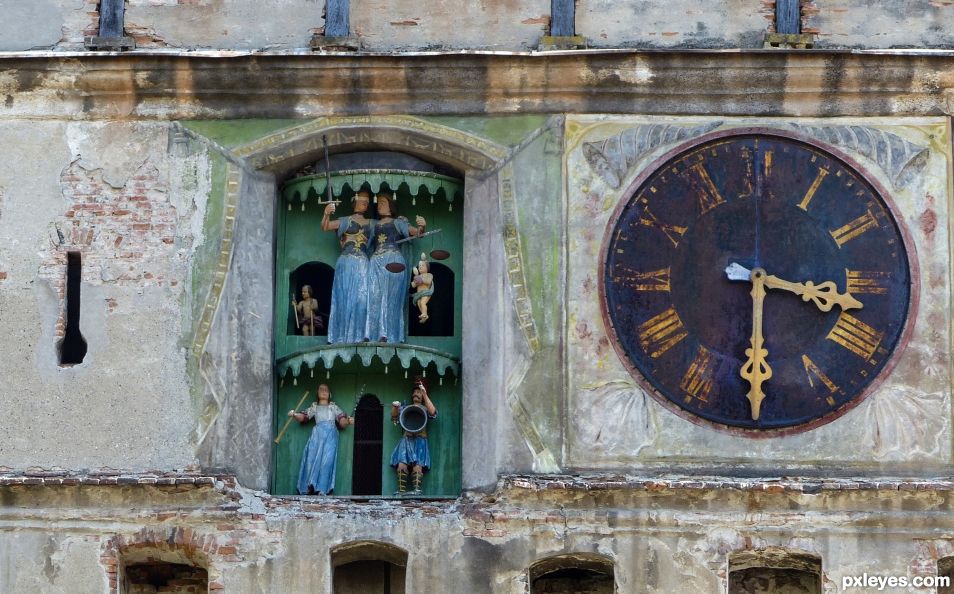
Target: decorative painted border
[[514, 255]]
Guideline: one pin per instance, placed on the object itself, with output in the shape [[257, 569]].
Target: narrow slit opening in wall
[[73, 347]]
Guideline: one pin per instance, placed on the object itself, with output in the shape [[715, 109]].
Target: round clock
[[756, 281]]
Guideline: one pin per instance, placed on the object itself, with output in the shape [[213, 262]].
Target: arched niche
[[368, 566], [572, 573], [774, 570], [318, 277], [148, 570], [237, 298]]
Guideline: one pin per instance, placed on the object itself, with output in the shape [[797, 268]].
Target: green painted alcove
[[384, 370]]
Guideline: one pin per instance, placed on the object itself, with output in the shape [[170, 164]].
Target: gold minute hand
[[756, 369], [824, 295]]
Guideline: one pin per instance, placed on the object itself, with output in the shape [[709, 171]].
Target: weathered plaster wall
[[387, 25], [680, 23], [111, 192], [223, 24], [613, 422], [661, 535], [896, 23], [46, 24]]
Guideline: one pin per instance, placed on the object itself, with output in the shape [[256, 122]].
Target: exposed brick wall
[[125, 235]]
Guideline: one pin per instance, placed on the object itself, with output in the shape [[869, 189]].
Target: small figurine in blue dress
[[316, 475], [387, 301], [348, 319], [412, 455]]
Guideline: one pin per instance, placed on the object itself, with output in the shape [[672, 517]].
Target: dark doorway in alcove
[[440, 309], [319, 277], [368, 446]]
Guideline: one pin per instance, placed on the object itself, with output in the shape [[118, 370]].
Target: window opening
[[111, 18], [774, 570], [368, 446], [787, 17], [945, 568], [562, 18], [336, 18], [167, 578], [574, 573], [73, 347], [368, 567]]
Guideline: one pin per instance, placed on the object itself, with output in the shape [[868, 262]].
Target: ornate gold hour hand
[[756, 369], [824, 295]]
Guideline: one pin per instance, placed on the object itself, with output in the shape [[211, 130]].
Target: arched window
[[945, 568], [368, 446], [571, 574], [774, 570], [378, 326], [368, 566], [162, 568]]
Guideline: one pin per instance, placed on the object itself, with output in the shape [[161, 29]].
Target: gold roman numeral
[[656, 280], [812, 189], [708, 195], [673, 232], [812, 370], [661, 332], [856, 336], [867, 281], [697, 383], [842, 235]]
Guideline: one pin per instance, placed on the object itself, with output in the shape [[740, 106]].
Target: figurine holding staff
[[316, 475]]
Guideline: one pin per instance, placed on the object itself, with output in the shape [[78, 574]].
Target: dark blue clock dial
[[799, 212]]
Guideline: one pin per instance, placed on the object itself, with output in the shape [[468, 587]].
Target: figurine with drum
[[412, 456]]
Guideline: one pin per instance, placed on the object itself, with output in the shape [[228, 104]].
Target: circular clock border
[[909, 247]]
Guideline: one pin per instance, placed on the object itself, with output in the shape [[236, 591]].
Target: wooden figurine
[[412, 455], [316, 475], [423, 282], [306, 312], [349, 292]]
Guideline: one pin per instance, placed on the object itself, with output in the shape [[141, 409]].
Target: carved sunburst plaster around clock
[[611, 420]]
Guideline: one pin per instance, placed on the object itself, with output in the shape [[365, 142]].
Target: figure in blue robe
[[348, 319], [316, 475]]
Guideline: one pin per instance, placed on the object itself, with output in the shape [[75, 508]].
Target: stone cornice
[[234, 85]]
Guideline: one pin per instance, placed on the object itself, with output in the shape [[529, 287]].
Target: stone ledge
[[109, 44], [703, 483], [56, 478]]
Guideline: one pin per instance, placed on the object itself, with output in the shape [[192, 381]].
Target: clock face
[[814, 301]]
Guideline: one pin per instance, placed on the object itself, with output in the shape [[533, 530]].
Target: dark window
[[111, 18], [787, 17], [73, 347], [368, 567], [336, 18], [574, 573], [170, 578], [945, 568], [368, 446], [774, 570], [562, 18]]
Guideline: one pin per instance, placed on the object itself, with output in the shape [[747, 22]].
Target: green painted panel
[[301, 241], [231, 133], [347, 386], [506, 130]]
